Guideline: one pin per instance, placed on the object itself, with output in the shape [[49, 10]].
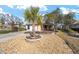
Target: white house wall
[[37, 28], [30, 28]]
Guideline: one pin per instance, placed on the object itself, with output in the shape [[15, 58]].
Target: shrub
[[5, 31]]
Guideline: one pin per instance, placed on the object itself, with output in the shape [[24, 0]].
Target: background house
[[10, 22], [75, 26], [37, 27]]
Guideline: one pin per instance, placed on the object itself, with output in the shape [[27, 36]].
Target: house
[[75, 26], [37, 27]]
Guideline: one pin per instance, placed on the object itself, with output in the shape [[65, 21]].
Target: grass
[[72, 42], [5, 31], [72, 31], [21, 29], [9, 30]]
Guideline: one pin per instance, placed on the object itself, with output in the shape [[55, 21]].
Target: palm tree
[[39, 21], [32, 15]]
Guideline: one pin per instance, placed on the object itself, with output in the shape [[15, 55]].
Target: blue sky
[[18, 10]]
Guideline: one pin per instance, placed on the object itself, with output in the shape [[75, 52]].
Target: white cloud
[[1, 11], [67, 10], [42, 7], [22, 6], [64, 10], [11, 6], [74, 10]]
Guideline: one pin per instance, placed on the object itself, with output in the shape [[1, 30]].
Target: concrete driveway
[[5, 37]]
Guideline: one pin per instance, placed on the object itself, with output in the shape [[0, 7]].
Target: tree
[[68, 20], [2, 22], [39, 20], [58, 18], [49, 20], [12, 25], [32, 15], [19, 22], [55, 16], [14, 21]]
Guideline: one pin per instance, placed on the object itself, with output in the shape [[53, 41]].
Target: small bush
[[5, 31], [72, 31], [21, 29]]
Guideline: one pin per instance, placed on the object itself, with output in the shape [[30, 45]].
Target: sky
[[17, 7], [18, 10]]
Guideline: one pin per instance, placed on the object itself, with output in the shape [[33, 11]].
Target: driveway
[[5, 37]]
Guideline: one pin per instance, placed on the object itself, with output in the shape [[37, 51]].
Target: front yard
[[49, 43], [72, 42]]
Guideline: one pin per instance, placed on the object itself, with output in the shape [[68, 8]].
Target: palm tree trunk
[[42, 27], [33, 29]]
